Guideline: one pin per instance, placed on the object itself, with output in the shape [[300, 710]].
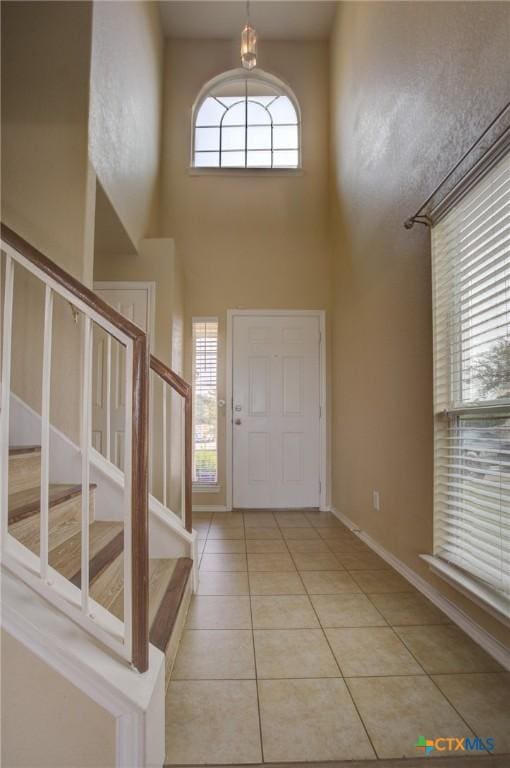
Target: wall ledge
[[477, 592], [261, 173]]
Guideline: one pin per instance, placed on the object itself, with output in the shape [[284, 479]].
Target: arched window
[[246, 120]]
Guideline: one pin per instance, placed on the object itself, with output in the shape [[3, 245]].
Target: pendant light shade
[[249, 47], [248, 43]]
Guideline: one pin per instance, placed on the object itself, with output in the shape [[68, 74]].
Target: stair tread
[[168, 578], [23, 504], [108, 588], [66, 558], [64, 521], [20, 450]]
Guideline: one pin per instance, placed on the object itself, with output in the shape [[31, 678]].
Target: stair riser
[[24, 472], [178, 629], [64, 522]]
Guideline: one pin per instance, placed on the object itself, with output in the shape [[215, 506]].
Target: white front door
[[276, 411], [108, 389]]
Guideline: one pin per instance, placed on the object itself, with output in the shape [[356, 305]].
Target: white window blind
[[205, 401], [471, 274]]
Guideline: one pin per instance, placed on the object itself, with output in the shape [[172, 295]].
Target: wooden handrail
[[139, 439], [183, 388], [172, 379], [70, 283]]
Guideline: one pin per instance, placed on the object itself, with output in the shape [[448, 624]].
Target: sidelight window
[[205, 402]]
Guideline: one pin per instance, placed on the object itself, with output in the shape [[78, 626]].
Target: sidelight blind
[[205, 401], [471, 278]]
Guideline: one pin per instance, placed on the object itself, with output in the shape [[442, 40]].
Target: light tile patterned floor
[[303, 645]]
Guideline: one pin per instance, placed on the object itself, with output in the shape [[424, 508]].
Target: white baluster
[[183, 462], [164, 445], [109, 397], [85, 465], [6, 391], [45, 433]]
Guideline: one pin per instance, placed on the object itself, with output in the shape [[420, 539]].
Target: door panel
[[292, 385], [292, 457], [258, 452], [259, 386], [276, 398]]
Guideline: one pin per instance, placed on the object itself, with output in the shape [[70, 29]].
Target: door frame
[[323, 415]]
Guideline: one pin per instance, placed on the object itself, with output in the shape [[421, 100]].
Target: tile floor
[[303, 645]]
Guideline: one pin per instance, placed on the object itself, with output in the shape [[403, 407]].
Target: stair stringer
[[136, 701]]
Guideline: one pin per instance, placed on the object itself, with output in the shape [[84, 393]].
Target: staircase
[[169, 578], [105, 584]]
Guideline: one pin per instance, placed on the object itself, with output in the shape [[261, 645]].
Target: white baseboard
[[210, 508], [218, 508], [477, 633]]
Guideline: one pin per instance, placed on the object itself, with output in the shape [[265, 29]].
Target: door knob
[[237, 421]]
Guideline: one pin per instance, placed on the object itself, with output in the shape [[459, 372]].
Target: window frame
[[197, 486], [245, 75], [451, 406]]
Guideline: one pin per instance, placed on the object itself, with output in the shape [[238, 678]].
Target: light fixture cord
[[248, 11]]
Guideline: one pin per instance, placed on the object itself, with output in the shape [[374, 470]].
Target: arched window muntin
[[277, 153]]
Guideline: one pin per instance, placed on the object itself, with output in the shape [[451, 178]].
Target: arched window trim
[[242, 74]]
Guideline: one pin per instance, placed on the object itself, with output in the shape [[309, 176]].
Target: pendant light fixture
[[248, 42]]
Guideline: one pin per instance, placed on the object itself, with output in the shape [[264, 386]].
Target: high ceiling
[[274, 19]]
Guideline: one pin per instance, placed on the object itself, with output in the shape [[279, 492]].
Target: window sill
[[482, 595], [206, 488], [245, 172]]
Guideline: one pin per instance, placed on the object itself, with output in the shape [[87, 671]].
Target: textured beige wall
[[46, 720], [45, 181], [91, 84], [246, 240], [45, 92], [412, 86], [125, 109]]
